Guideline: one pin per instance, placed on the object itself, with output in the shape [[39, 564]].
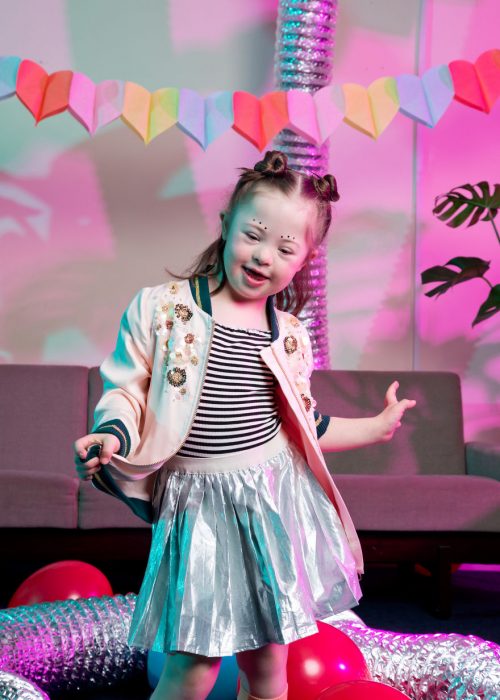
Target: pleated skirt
[[246, 549]]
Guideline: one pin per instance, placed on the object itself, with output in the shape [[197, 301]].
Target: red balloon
[[317, 662], [60, 581], [361, 690]]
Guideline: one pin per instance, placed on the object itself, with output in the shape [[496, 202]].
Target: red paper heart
[[477, 84], [259, 120], [30, 85], [44, 95]]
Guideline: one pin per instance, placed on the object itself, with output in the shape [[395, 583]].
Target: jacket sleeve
[[320, 420], [126, 374]]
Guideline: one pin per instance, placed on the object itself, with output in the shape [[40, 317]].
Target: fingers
[[86, 467]]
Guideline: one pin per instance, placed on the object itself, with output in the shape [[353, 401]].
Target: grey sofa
[[424, 497]]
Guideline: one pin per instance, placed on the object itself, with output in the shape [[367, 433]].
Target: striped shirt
[[237, 408]]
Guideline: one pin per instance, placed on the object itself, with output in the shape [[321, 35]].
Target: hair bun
[[326, 186], [274, 163]]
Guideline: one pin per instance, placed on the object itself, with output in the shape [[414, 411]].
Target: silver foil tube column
[[305, 37], [71, 644]]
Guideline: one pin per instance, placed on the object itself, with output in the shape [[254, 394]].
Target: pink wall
[[85, 222]]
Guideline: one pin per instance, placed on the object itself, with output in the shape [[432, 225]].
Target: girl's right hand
[[109, 445]]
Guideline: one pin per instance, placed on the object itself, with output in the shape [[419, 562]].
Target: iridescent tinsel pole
[[305, 36]]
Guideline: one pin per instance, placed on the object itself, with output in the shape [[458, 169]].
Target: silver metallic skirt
[[246, 549]]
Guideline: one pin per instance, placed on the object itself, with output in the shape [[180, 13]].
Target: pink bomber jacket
[[152, 383]]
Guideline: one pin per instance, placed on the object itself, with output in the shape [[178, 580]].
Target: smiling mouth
[[254, 274]]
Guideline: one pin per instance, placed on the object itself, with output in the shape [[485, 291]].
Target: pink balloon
[[317, 662], [361, 690], [60, 581]]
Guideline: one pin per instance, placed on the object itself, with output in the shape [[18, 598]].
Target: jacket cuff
[[118, 428], [321, 423]]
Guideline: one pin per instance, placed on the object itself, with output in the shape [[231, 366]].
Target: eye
[[252, 236], [288, 252]]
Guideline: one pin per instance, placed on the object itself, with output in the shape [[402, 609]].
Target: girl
[[207, 429]]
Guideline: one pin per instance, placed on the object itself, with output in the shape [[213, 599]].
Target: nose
[[263, 255]]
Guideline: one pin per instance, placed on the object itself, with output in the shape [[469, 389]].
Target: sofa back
[[431, 437]]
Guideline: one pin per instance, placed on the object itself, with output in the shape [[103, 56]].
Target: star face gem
[[290, 343]]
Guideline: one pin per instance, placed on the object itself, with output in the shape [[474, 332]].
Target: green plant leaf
[[469, 268], [490, 307], [455, 207]]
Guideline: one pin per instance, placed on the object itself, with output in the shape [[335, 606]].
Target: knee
[[267, 661], [192, 667]]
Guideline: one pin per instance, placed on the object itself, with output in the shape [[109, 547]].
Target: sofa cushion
[[38, 499], [430, 440], [421, 503], [97, 509]]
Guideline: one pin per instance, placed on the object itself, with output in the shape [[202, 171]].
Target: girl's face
[[267, 235]]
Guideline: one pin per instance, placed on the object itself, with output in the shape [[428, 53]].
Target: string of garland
[[315, 117]]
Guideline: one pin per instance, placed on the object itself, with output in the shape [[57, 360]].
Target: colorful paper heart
[[9, 66], [259, 120], [95, 105], [425, 99], [204, 119], [477, 84], [330, 110], [302, 115], [149, 114], [44, 95], [371, 110]]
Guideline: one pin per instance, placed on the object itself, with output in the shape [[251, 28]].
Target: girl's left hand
[[390, 418]]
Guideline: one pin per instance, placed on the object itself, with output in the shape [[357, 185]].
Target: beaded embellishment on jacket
[[180, 350]]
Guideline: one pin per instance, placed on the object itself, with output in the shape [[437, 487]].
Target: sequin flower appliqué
[[180, 347]]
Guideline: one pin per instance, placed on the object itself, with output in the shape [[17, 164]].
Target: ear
[[310, 257]]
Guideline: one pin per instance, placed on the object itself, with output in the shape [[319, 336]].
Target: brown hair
[[273, 172]]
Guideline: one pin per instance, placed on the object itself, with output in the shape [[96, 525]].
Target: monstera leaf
[[449, 206], [466, 203], [490, 306], [469, 268]]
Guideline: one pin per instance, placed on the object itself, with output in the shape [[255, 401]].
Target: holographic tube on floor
[[71, 644]]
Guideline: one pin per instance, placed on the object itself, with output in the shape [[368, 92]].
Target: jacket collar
[[201, 295]]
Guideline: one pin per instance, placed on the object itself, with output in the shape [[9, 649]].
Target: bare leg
[[187, 676], [263, 672]]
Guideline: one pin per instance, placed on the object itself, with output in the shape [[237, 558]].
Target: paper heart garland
[[314, 116]]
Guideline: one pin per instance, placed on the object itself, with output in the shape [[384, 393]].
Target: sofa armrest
[[482, 459]]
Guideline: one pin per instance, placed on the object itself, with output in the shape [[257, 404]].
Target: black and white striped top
[[237, 408]]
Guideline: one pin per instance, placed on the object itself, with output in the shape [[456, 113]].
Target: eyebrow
[[285, 240]]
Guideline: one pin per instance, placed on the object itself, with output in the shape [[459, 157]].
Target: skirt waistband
[[234, 460]]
